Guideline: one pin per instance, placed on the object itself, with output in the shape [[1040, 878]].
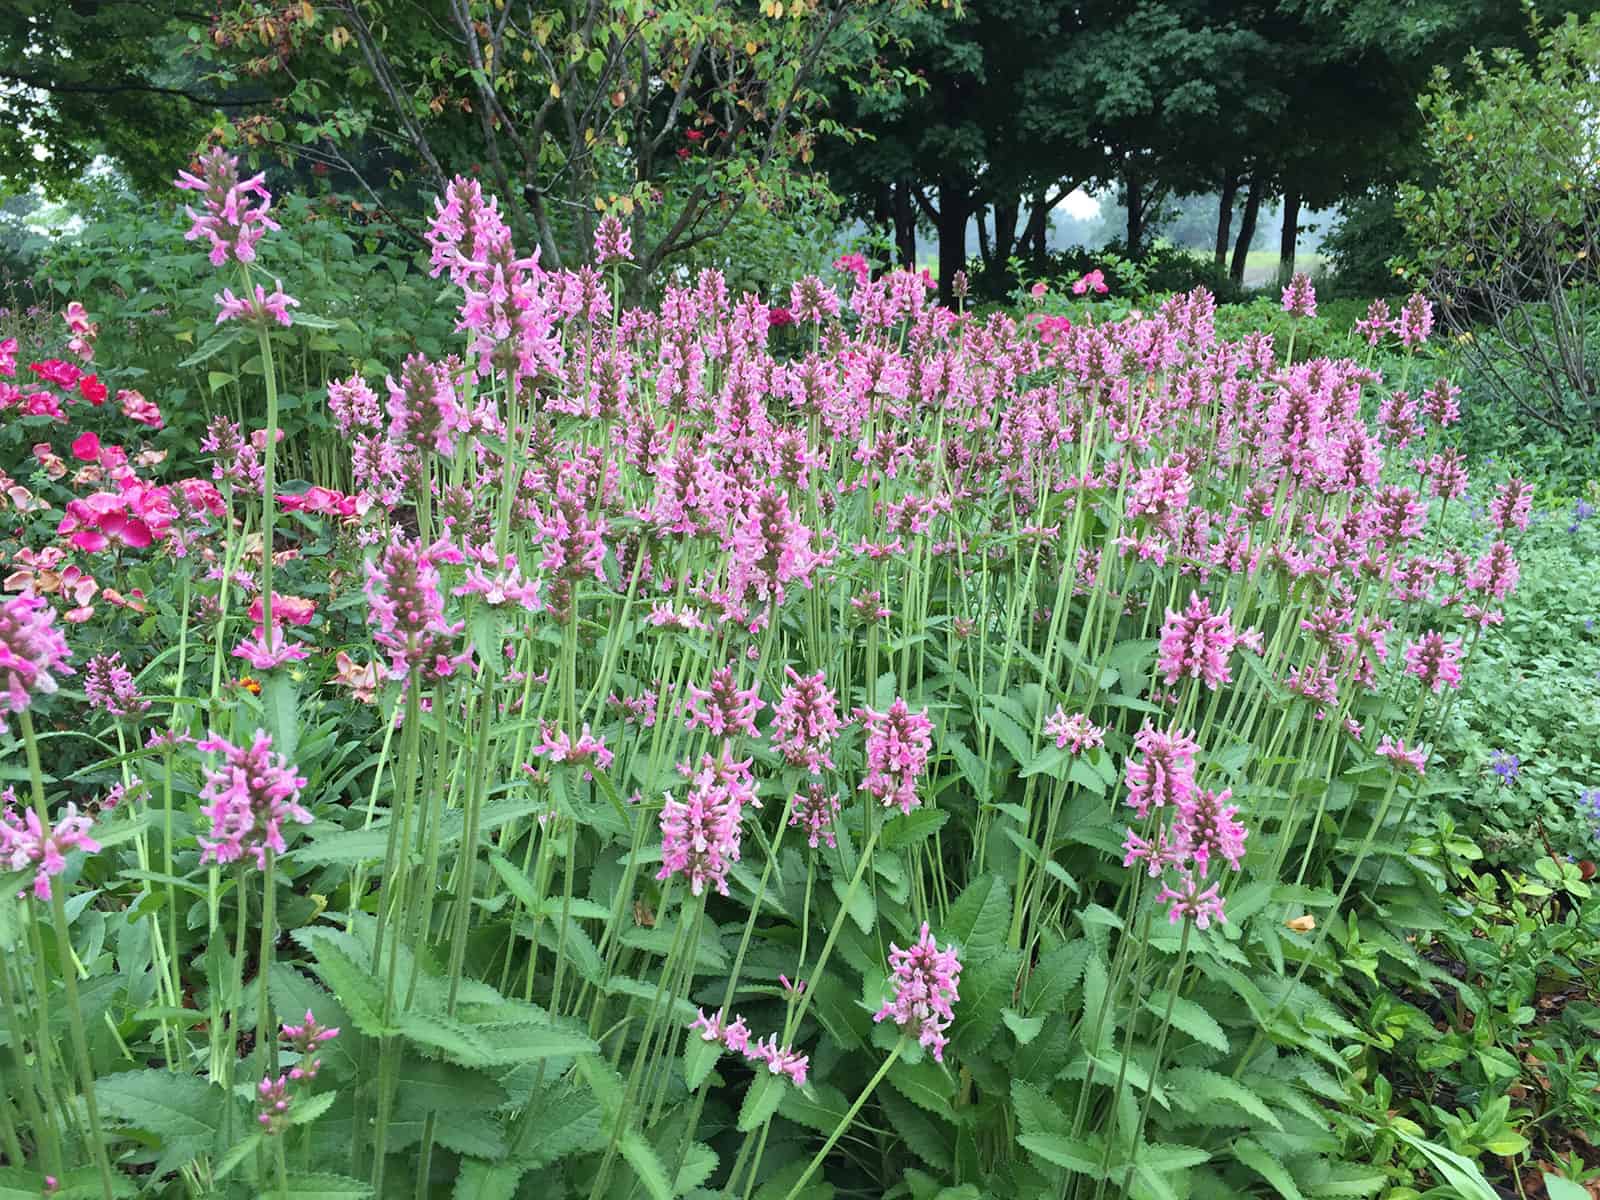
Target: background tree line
[[926, 121]]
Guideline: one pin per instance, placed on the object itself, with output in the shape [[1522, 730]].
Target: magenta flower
[[251, 792], [898, 744], [559, 746], [1415, 759], [770, 547], [1376, 323], [1075, 733], [1439, 402], [259, 308], [266, 652], [1206, 827], [1300, 298], [1094, 281], [408, 609], [815, 811], [1188, 901], [1165, 776], [25, 843], [700, 837], [1416, 320], [783, 1061], [812, 300], [1496, 572], [32, 652], [1195, 644], [1512, 505], [805, 722], [109, 685], [926, 982], [423, 408], [273, 1097], [723, 708], [305, 1039], [234, 211], [613, 242], [233, 456], [1435, 661]]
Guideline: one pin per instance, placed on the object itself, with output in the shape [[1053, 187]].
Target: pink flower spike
[[925, 981]]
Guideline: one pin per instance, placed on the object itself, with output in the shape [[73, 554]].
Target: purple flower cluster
[[898, 744], [926, 984], [1074, 734], [1195, 644], [250, 794], [735, 1035], [233, 216], [805, 722], [109, 685], [32, 652], [25, 843], [403, 594]]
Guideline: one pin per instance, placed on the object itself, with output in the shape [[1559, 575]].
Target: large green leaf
[[183, 1112]]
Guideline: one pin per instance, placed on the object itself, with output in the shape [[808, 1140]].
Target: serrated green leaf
[[912, 828], [1036, 1112], [479, 1180], [761, 1100], [1190, 1018], [323, 1186], [182, 1111], [354, 987], [925, 1084], [1056, 974], [1256, 1156], [979, 918], [1079, 1155], [641, 1156], [987, 985], [1024, 1029], [1012, 736], [928, 1139]]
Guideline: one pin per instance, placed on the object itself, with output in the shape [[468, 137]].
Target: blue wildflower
[[1506, 765]]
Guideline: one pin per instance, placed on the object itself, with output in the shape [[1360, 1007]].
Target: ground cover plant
[[832, 747]]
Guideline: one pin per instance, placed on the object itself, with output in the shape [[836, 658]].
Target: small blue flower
[[1506, 765]]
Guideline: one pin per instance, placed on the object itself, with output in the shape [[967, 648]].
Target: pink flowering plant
[[683, 750]]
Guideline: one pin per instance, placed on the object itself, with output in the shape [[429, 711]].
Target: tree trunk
[[982, 217], [1035, 240], [905, 225], [1291, 234], [1247, 229], [1005, 230], [1230, 193], [955, 206], [883, 209], [1133, 193]]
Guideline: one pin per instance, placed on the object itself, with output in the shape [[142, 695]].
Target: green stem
[[833, 1138]]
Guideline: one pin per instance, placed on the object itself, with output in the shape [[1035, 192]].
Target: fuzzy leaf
[[761, 1100], [324, 1186], [1079, 1155], [1191, 1018], [479, 1180], [926, 1084], [977, 921], [646, 1164], [184, 1112], [1260, 1160]]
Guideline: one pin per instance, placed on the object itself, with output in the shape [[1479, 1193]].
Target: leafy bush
[[1507, 237], [1362, 245], [705, 750]]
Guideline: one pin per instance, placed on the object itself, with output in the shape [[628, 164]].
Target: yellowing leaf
[[1303, 924], [555, 91], [749, 47]]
